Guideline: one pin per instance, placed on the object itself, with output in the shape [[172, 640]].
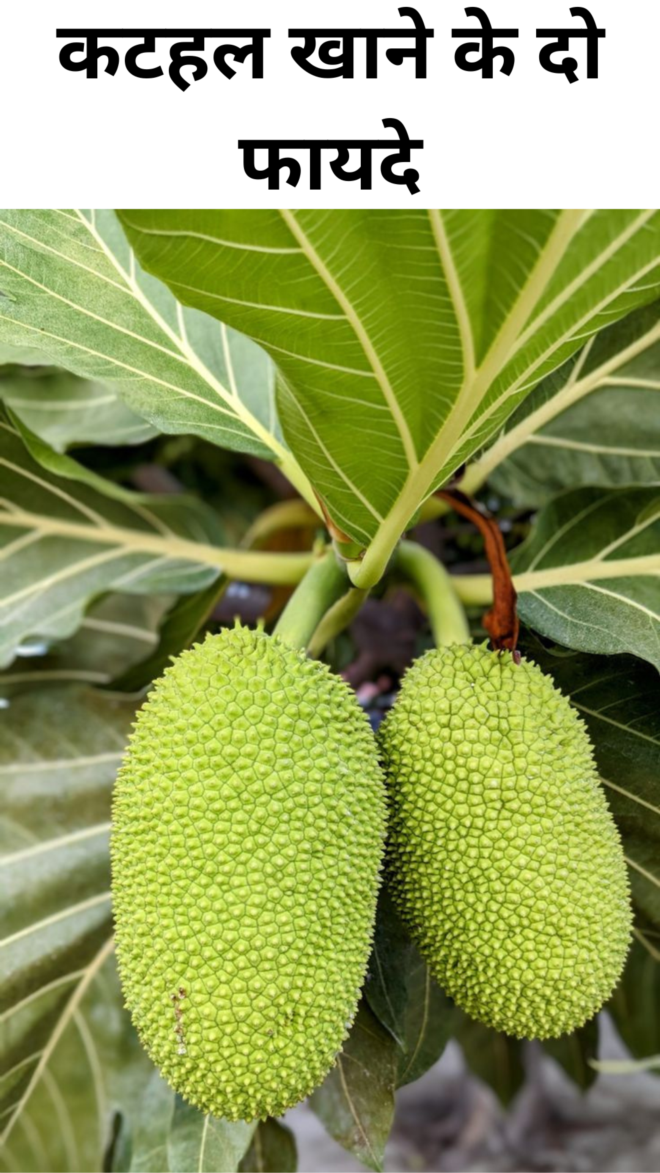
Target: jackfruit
[[505, 861], [248, 834]]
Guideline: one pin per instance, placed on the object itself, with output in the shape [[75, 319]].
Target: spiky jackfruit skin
[[248, 833], [505, 860]]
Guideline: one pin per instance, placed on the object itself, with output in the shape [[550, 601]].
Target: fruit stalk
[[321, 587], [434, 585]]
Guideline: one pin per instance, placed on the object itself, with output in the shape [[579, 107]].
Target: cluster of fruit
[[249, 843]]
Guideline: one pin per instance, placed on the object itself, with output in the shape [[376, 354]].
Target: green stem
[[319, 589], [475, 590], [435, 587], [293, 514], [336, 620]]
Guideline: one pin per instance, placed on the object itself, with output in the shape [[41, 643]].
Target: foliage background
[[143, 435]]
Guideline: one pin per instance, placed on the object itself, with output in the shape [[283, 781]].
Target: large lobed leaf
[[404, 340], [70, 287], [59, 752], [595, 421], [589, 575], [67, 536]]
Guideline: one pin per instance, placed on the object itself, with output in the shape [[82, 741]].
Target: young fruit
[[505, 861], [248, 830]]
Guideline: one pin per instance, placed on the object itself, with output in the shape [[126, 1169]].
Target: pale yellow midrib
[[583, 276], [449, 436], [360, 332], [61, 1025], [456, 292], [182, 345], [591, 570], [235, 562], [558, 404]]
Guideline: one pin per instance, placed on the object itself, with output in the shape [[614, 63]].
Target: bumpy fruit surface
[[248, 830], [505, 860]]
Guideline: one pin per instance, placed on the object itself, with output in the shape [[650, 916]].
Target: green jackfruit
[[505, 861], [248, 833]]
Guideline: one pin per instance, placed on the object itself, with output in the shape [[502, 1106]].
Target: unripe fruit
[[248, 829], [505, 860]]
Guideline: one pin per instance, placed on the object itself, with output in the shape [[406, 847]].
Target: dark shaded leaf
[[619, 699], [493, 1057], [574, 1051], [272, 1150], [404, 996], [635, 1005], [356, 1101]]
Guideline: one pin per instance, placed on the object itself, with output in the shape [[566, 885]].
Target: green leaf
[[147, 1125], [403, 339], [576, 1052], [69, 285], [405, 998], [65, 541], [635, 1006], [594, 421], [619, 701], [92, 1075], [493, 1057], [64, 410], [203, 1144], [273, 1150], [117, 635], [59, 752], [589, 575], [356, 1101]]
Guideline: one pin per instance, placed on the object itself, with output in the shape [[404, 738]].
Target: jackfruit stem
[[434, 585], [321, 587], [336, 620], [293, 514]]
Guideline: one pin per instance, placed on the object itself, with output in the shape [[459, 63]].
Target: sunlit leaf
[[594, 421], [403, 339], [66, 410], [71, 287]]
